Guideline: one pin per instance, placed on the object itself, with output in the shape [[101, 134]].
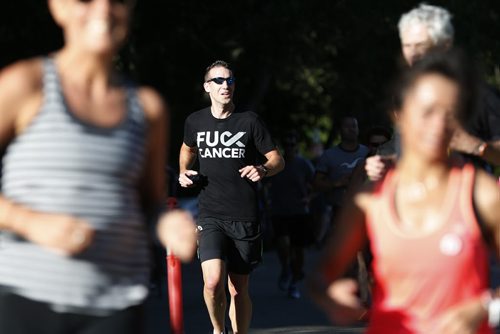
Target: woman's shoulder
[[486, 202], [22, 77], [152, 102], [21, 86], [486, 192]]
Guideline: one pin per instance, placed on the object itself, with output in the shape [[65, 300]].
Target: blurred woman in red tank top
[[430, 223]]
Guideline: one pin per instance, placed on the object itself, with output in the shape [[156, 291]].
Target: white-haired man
[[429, 28]]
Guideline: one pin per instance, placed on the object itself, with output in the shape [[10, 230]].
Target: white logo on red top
[[451, 244]]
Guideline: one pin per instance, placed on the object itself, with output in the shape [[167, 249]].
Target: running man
[[289, 193], [228, 142]]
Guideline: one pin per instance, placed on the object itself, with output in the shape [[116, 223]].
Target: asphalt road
[[273, 310]]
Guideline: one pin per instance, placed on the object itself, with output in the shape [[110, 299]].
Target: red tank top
[[417, 277]]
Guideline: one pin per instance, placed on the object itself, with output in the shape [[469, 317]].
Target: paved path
[[273, 312]]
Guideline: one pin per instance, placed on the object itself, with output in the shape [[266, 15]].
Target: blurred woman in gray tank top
[[83, 171]]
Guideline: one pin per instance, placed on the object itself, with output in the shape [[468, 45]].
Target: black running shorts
[[238, 243]]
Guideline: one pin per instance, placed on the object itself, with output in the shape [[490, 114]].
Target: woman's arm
[[487, 202], [176, 229], [337, 296], [20, 100], [467, 317]]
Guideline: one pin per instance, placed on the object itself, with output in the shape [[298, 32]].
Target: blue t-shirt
[[336, 163]]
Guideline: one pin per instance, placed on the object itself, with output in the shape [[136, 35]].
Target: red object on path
[[175, 294], [174, 281]]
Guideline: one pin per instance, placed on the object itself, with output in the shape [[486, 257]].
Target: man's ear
[[206, 86], [58, 9], [396, 118], [395, 115]]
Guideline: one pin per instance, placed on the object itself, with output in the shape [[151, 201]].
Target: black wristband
[[264, 168]]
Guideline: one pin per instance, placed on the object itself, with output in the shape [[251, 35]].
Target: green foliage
[[299, 64]]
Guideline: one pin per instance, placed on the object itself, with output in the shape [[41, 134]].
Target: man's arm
[[187, 158], [464, 142], [490, 152], [273, 165]]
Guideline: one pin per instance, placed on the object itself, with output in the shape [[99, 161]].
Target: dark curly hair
[[453, 65]]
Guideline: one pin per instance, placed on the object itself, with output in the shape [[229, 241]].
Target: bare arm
[[335, 295], [492, 153], [153, 183], [467, 143], [274, 163], [272, 166], [20, 99], [467, 316], [187, 158], [176, 229], [487, 201]]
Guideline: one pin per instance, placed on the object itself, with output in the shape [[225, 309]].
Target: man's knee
[[213, 275], [238, 284]]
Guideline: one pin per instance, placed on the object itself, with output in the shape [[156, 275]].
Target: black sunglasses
[[220, 80]]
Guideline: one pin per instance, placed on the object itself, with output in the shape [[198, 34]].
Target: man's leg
[[243, 255], [297, 263], [240, 309], [214, 292], [285, 257], [298, 237], [281, 235]]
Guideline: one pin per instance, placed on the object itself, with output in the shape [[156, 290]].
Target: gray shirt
[[336, 163], [61, 164]]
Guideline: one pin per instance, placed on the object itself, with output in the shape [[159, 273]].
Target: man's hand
[[254, 173], [184, 179], [377, 166], [464, 142]]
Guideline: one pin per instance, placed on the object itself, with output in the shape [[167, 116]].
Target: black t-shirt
[[225, 146], [485, 123]]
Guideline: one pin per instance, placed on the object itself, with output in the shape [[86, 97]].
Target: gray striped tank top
[[60, 164]]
